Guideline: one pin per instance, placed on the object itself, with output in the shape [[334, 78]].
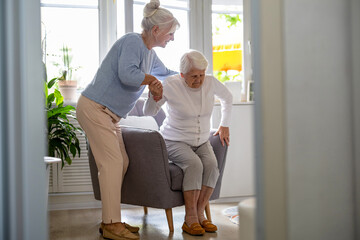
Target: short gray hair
[[193, 59], [154, 15]]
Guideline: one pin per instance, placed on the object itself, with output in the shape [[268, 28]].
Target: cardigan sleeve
[[151, 108], [226, 99], [130, 58]]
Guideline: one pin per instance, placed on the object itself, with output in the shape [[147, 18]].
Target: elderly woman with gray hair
[[120, 80], [186, 128]]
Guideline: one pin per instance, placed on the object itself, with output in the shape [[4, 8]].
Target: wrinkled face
[[194, 78], [163, 36]]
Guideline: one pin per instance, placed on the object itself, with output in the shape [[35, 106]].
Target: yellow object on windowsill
[[227, 57]]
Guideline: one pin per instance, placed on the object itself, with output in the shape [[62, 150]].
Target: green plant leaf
[[51, 83], [46, 93], [62, 111], [68, 160], [59, 98], [50, 98], [73, 150]]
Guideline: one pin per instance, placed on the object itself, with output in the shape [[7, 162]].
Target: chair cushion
[[176, 175]]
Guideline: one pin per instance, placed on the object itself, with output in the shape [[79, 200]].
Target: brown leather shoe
[[123, 234], [128, 227], [195, 229], [209, 226]]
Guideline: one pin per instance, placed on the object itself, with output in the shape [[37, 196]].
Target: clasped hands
[[156, 89]]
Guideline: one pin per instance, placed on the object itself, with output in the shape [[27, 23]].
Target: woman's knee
[[193, 176], [195, 165], [211, 171], [211, 165]]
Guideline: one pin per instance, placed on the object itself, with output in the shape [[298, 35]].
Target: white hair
[[154, 15], [193, 59]]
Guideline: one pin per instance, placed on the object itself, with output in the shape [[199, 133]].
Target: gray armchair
[[151, 180]]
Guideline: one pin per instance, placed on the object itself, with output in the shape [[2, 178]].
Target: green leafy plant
[[66, 68], [231, 19], [62, 139], [224, 76]]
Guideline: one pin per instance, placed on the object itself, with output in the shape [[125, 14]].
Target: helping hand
[[156, 89]]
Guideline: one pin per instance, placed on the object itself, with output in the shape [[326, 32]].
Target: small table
[[49, 160]]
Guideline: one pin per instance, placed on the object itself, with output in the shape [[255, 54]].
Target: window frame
[[199, 19], [74, 4]]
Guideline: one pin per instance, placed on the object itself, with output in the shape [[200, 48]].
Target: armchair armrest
[[220, 153], [219, 150]]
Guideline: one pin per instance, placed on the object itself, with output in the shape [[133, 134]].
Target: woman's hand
[[224, 135], [156, 89]]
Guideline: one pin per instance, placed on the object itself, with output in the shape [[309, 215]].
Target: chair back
[[138, 111]]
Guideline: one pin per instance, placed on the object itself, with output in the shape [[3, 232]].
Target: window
[[227, 39], [180, 10], [73, 24], [90, 27]]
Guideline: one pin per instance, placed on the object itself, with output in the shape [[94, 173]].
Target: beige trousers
[[104, 135]]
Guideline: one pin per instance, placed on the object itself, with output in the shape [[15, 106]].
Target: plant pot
[[68, 89], [235, 89]]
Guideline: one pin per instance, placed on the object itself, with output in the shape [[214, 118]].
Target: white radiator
[[74, 177]]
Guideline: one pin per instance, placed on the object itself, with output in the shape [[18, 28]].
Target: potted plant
[[67, 84], [61, 133]]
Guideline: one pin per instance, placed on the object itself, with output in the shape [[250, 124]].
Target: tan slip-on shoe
[[128, 227], [124, 234], [195, 229], [209, 226]]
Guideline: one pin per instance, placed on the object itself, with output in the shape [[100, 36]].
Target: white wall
[[238, 177]]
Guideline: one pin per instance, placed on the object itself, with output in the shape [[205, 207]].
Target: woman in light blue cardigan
[[120, 80]]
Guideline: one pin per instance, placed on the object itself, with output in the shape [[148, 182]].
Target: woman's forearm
[[151, 107]]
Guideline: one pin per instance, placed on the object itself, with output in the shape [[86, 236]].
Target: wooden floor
[[83, 224]]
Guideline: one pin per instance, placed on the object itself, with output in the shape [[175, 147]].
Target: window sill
[[236, 104]]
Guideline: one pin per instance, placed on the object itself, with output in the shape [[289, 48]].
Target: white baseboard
[[86, 200], [66, 201], [230, 199]]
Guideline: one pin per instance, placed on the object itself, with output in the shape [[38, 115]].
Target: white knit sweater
[[184, 122]]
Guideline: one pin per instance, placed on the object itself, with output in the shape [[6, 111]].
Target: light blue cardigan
[[117, 83]]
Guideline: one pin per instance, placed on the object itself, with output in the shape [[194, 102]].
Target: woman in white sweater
[[186, 128]]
